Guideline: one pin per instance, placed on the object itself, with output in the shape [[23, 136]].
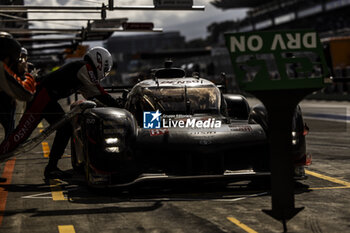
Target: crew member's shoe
[[3, 180], [56, 173]]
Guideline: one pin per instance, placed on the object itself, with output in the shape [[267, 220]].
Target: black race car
[[176, 127]]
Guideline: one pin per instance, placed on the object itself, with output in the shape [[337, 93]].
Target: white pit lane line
[[337, 112], [48, 194], [249, 196], [39, 196]]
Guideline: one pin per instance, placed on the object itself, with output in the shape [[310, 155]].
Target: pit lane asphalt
[[29, 204]]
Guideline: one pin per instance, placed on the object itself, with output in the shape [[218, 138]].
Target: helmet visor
[[107, 70], [23, 58]]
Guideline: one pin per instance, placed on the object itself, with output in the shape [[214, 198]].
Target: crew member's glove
[[29, 83]]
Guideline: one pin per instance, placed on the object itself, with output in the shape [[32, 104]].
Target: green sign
[[277, 60]]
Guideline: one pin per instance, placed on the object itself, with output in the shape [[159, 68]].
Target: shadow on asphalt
[[170, 191], [141, 197], [98, 210], [77, 191]]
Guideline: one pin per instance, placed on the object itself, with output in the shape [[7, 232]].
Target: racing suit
[[13, 87], [78, 76]]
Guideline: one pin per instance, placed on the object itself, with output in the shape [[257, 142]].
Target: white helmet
[[24, 55], [101, 59]]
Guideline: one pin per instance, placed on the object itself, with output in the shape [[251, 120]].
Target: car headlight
[[111, 141], [295, 138], [112, 144], [113, 137], [113, 149]]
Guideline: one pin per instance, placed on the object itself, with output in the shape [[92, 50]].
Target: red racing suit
[[13, 87], [77, 76]]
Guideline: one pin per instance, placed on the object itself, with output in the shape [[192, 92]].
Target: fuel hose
[[30, 144]]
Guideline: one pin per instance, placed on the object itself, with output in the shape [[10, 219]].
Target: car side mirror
[[237, 107]]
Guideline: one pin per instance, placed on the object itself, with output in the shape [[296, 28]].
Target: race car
[[176, 127]]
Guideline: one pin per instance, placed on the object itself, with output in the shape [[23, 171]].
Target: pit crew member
[[81, 76]]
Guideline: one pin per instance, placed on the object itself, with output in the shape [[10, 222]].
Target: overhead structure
[[104, 7], [48, 11], [329, 18], [230, 4], [22, 15], [51, 47], [13, 19], [95, 30]]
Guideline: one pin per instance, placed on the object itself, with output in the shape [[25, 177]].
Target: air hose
[[30, 144]]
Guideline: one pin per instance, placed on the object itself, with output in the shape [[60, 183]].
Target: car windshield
[[184, 99]]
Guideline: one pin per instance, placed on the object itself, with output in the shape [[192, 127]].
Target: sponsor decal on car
[[203, 133], [179, 82], [158, 132], [243, 128]]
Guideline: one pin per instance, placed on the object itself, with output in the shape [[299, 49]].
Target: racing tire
[[90, 185], [87, 176], [74, 161]]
